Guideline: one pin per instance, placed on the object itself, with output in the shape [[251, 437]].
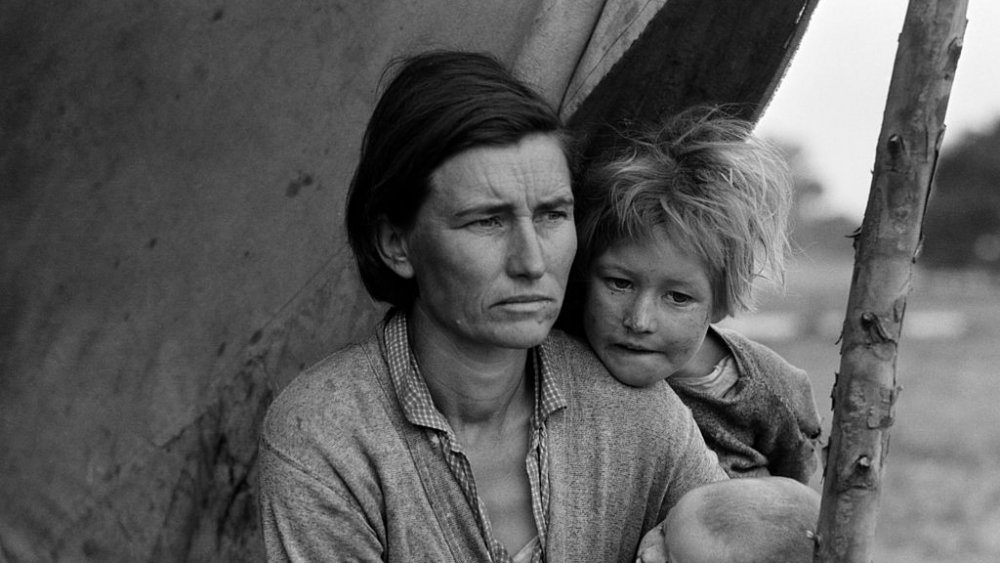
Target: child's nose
[[640, 316]]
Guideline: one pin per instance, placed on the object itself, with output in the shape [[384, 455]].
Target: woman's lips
[[525, 299], [526, 303]]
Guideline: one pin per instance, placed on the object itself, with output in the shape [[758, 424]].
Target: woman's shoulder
[[564, 347], [592, 388], [576, 367], [335, 392]]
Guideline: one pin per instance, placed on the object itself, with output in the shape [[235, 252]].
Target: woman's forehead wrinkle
[[486, 188], [522, 177]]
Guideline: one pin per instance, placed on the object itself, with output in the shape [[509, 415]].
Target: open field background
[[941, 497]]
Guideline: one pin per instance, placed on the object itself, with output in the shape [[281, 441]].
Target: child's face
[[647, 310]]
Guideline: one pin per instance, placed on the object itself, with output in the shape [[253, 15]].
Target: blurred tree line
[[962, 222], [814, 229]]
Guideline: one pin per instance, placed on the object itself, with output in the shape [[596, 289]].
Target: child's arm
[[797, 457], [781, 398], [801, 463]]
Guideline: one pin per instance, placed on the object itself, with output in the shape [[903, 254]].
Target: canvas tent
[[172, 180]]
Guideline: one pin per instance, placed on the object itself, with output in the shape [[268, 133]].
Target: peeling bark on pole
[[886, 248]]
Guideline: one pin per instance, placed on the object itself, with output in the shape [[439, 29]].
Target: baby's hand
[[653, 547]]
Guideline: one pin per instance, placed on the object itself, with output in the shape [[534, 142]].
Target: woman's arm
[[306, 519]]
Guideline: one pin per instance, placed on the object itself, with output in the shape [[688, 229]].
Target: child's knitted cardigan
[[767, 424]]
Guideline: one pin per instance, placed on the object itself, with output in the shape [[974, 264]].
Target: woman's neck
[[472, 385]]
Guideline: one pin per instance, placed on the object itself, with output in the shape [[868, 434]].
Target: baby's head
[[672, 233], [761, 520]]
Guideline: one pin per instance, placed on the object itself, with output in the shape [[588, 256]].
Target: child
[[672, 233], [765, 520]]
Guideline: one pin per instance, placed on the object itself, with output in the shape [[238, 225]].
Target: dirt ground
[[941, 498]]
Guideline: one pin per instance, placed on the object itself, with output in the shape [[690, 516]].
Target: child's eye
[[677, 298], [618, 284]]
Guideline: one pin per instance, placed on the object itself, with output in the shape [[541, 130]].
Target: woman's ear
[[393, 249]]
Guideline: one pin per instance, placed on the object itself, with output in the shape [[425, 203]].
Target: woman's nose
[[526, 258]]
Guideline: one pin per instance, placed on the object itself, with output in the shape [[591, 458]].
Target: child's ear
[[393, 249]]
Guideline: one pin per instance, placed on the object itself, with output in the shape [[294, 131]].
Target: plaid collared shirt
[[419, 409]]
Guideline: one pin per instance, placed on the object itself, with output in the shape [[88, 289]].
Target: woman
[[462, 431]]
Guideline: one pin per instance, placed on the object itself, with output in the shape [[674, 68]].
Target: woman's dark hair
[[438, 104]]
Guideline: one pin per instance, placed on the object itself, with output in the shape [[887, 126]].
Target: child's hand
[[653, 547]]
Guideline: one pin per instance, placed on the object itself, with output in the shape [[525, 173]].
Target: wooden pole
[[885, 250]]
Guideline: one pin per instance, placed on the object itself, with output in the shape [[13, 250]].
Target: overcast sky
[[833, 95]]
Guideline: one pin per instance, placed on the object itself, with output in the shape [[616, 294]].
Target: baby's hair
[[719, 192], [758, 520]]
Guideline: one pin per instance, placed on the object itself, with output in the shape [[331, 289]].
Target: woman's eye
[[487, 222], [555, 216]]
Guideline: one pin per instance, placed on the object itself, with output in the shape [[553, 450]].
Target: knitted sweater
[[767, 424], [344, 477]]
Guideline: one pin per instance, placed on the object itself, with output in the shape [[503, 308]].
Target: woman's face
[[647, 309], [492, 245]]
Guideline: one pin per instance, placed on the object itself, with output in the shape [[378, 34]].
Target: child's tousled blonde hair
[[720, 193]]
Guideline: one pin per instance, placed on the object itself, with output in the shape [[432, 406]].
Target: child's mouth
[[635, 349]]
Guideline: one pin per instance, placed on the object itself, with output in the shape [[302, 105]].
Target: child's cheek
[[691, 335], [594, 321], [600, 316]]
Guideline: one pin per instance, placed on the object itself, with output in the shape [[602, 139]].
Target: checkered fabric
[[419, 409]]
